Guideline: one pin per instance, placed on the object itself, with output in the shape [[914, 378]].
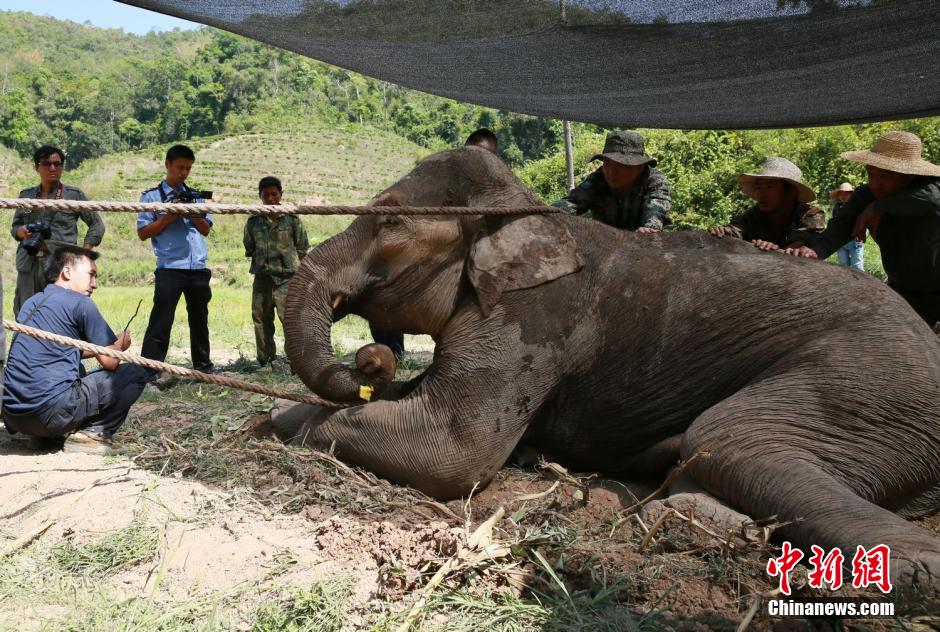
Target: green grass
[[46, 589], [319, 608], [124, 548], [462, 610]]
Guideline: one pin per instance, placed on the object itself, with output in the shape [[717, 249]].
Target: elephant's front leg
[[418, 443], [458, 425]]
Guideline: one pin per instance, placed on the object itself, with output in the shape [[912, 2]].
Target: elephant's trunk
[[315, 291]]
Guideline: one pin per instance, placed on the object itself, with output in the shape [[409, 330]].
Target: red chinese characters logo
[[826, 569], [870, 567], [781, 566]]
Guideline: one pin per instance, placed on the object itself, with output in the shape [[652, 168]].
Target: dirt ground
[[237, 520]]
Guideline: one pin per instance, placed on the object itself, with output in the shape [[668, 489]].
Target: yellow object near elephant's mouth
[[365, 392]]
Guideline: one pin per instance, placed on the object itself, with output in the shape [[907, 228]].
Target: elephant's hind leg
[[759, 462]]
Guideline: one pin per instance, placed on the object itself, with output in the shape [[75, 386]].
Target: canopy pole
[[569, 154], [569, 149]]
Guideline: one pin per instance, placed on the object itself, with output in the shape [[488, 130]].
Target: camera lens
[[32, 244]]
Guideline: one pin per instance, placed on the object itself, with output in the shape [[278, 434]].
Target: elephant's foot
[[288, 419], [378, 362], [916, 582], [707, 514], [920, 569]]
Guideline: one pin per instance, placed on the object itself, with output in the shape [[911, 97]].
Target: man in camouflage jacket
[[626, 192], [276, 244]]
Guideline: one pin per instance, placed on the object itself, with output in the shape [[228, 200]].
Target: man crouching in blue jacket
[[47, 394]]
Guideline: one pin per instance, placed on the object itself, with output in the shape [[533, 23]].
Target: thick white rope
[[33, 204], [209, 378]]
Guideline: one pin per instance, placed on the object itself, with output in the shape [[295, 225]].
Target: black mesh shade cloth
[[686, 64]]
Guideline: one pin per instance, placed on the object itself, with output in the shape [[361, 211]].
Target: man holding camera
[[47, 394], [181, 261], [40, 232]]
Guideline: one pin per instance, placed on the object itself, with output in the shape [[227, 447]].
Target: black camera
[[40, 231], [189, 196]]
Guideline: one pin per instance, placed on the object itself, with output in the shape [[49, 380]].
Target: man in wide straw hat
[[627, 191], [900, 207], [852, 253], [783, 213]]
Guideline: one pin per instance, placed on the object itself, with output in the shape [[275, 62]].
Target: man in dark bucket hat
[[627, 191]]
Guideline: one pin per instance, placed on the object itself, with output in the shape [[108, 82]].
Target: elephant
[[812, 389]]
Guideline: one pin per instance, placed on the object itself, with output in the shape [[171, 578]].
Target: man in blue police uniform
[[181, 262], [47, 394]]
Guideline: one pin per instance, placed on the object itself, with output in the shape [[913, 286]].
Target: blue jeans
[[97, 403], [852, 254]]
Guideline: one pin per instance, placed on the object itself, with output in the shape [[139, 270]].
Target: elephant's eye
[[390, 220], [386, 222]]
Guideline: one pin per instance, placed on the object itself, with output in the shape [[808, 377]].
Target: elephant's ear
[[525, 252]]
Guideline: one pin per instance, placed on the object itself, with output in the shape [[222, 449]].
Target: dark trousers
[[392, 340], [926, 304], [97, 403], [168, 286], [28, 283]]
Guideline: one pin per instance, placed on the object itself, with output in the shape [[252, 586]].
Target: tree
[[17, 119]]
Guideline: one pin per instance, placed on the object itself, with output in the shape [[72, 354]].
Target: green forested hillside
[[97, 91]]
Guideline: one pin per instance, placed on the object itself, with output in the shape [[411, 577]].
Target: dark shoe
[[88, 443], [44, 444], [206, 368]]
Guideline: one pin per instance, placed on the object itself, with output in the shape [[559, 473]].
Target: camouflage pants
[[267, 294]]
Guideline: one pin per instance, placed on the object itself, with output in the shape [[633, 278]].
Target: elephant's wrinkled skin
[[814, 388]]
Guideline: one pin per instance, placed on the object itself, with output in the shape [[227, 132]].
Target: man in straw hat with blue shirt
[[900, 207]]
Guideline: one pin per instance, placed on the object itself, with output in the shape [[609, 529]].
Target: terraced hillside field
[[341, 166]]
